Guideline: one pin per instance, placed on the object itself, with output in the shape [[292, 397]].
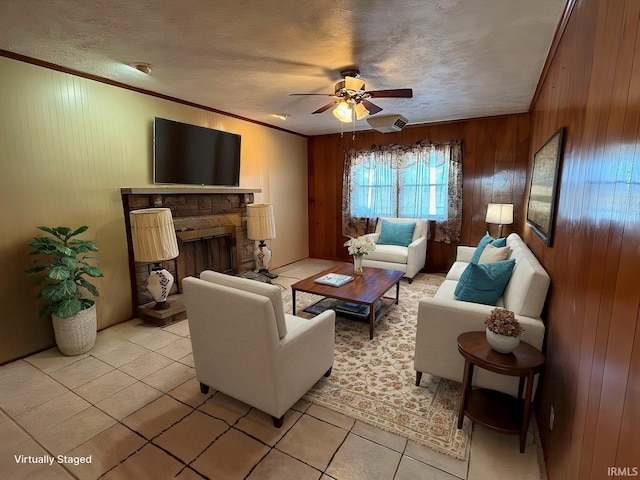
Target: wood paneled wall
[[592, 88], [67, 146], [494, 160], [592, 376]]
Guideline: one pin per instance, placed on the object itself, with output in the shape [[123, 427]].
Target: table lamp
[[500, 213], [261, 226], [154, 241]]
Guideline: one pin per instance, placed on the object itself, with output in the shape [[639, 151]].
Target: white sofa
[[245, 346], [442, 318], [410, 259]]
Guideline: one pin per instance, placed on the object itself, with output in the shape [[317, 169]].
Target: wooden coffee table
[[365, 289]]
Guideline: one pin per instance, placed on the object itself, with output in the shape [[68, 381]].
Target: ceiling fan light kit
[[351, 98]]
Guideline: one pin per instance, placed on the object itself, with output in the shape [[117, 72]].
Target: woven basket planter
[[76, 335]]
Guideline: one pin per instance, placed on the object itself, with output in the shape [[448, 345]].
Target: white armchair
[[410, 259], [245, 346]]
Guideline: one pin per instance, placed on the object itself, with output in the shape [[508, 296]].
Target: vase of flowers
[[503, 330], [359, 247]]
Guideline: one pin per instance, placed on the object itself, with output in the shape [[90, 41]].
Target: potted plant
[[503, 330], [65, 284], [358, 247]]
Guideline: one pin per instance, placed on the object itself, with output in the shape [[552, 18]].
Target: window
[[425, 187], [416, 181], [373, 191]]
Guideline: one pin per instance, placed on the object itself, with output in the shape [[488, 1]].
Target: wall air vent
[[387, 123]]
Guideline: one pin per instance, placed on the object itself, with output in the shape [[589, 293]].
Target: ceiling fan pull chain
[[353, 117]]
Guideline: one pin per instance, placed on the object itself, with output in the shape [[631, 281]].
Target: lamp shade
[[500, 213], [153, 235], [343, 112], [353, 84], [261, 224], [361, 111]]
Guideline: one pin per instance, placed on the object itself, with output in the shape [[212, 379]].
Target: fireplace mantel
[[185, 190]]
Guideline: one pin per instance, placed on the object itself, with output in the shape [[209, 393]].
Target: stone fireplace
[[211, 228]]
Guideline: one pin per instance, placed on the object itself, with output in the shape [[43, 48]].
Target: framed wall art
[[543, 191]]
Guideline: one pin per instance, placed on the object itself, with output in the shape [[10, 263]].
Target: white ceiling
[[463, 58]]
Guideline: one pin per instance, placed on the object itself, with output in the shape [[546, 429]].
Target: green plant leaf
[[78, 231], [70, 262], [38, 269], [46, 310], [60, 291], [47, 229], [67, 308], [89, 286], [83, 245], [92, 271], [61, 249], [43, 245], [62, 231], [59, 272], [86, 303]]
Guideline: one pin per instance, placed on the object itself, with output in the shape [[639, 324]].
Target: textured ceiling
[[463, 58]]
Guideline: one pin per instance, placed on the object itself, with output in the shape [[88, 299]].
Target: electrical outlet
[[552, 417]]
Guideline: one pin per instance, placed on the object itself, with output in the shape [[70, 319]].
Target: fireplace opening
[[204, 249]]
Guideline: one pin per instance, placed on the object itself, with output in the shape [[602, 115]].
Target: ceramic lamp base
[[262, 256], [159, 283]]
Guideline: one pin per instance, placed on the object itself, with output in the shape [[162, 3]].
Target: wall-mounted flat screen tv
[[193, 155]]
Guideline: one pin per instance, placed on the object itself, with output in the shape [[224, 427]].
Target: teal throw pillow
[[484, 283], [484, 241], [396, 233], [500, 242]]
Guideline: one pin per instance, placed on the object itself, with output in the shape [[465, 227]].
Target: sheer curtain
[[411, 181]]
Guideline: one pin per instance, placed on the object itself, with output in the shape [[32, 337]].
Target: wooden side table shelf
[[496, 410]]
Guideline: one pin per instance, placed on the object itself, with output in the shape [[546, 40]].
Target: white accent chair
[[245, 346], [410, 259]]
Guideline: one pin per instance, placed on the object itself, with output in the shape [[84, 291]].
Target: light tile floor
[[133, 405]]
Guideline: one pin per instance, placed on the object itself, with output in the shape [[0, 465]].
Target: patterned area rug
[[374, 380]]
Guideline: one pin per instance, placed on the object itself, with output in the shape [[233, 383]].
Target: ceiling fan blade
[[373, 109], [326, 107], [397, 93]]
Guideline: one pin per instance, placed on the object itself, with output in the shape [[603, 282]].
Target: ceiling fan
[[352, 98]]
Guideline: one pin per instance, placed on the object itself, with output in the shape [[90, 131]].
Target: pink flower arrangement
[[503, 322]]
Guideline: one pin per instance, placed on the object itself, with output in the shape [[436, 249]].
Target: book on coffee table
[[351, 307], [334, 279]]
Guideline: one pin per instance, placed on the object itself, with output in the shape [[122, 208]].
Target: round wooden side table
[[497, 410]]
